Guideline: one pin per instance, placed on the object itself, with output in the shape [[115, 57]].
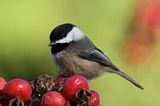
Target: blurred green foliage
[[25, 26]]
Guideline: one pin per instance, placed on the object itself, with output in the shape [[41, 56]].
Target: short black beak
[[51, 44]]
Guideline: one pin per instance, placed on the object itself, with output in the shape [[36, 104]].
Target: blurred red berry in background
[[139, 48], [147, 13]]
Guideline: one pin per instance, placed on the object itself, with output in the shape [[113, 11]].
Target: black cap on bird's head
[[60, 32], [65, 33]]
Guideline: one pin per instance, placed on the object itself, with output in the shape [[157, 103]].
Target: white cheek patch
[[74, 35]]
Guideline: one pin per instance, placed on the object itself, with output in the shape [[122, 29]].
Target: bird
[[75, 54]]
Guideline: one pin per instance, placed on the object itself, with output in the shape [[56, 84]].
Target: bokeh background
[[25, 26]]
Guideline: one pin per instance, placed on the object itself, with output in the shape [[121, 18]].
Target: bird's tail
[[128, 78], [116, 70]]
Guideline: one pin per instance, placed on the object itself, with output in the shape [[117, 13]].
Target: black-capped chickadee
[[74, 53]]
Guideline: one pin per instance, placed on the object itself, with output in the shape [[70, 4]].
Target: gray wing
[[98, 56]]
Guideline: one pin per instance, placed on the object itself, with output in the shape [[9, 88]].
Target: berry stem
[[16, 102], [12, 101]]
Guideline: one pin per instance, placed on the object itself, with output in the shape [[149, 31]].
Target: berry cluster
[[47, 91]]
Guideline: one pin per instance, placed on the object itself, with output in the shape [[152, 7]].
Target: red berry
[[59, 79], [153, 15], [94, 99], [53, 98], [2, 84], [17, 88], [73, 84]]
